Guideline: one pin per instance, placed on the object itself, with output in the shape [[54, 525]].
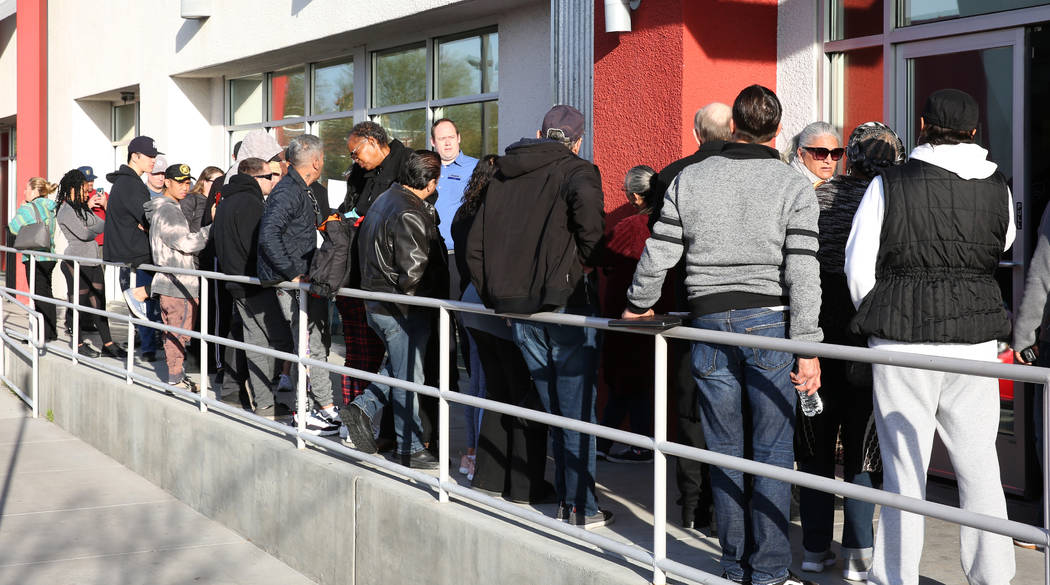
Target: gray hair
[[814, 131], [810, 133], [711, 122], [303, 149], [638, 179]]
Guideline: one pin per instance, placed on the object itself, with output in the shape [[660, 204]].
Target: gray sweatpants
[[964, 410], [264, 324], [318, 316]]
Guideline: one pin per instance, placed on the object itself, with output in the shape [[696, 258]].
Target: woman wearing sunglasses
[[818, 152]]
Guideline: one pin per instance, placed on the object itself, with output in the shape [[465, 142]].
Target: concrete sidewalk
[[69, 514]]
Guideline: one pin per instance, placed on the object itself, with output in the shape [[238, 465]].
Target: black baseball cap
[[178, 173], [565, 118], [89, 172], [952, 109], [144, 145]]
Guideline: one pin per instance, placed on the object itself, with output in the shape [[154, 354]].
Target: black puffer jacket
[[542, 221], [288, 231], [400, 249], [126, 231]]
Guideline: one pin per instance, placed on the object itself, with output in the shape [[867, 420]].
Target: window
[[404, 89], [464, 74], [855, 18], [125, 127], [920, 11], [857, 75]]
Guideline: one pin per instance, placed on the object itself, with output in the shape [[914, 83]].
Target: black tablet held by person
[[656, 321]]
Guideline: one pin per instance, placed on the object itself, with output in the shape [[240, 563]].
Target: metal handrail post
[[3, 339], [1046, 484], [203, 303], [130, 359], [300, 368], [34, 359], [75, 335], [659, 460], [443, 410], [32, 280]]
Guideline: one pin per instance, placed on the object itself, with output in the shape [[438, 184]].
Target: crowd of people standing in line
[[899, 253]]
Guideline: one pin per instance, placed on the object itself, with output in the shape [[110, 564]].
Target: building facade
[[80, 79]]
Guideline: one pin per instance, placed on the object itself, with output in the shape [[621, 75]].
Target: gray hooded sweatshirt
[[174, 246]]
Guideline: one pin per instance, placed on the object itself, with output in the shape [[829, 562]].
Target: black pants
[[693, 477], [511, 453], [91, 288], [42, 287]]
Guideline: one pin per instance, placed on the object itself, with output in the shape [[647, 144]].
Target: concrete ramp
[[70, 514], [332, 520]]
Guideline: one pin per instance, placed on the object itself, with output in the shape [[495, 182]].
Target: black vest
[[941, 240]]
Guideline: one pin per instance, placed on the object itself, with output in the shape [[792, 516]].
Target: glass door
[[990, 67]]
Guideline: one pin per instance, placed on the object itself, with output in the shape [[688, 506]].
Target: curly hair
[[71, 193], [474, 193]]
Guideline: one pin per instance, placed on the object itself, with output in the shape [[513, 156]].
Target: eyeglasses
[[268, 177], [821, 153], [353, 153]]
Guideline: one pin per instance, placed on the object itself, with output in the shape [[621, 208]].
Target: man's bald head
[[712, 123]]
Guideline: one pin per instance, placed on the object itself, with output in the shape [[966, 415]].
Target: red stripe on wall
[[31, 135]]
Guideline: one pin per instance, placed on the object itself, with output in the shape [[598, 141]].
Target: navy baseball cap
[[88, 172], [144, 145]]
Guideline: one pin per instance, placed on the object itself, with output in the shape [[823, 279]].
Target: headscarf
[[872, 147]]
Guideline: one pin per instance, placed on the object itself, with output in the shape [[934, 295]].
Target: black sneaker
[[793, 580], [421, 459], [149, 356], [596, 520], [728, 578], [87, 351], [358, 429], [114, 351], [631, 455], [563, 513], [274, 411]]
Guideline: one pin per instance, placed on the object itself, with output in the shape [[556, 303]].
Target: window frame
[[363, 59]]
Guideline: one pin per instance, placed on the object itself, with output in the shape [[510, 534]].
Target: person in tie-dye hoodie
[[175, 246]]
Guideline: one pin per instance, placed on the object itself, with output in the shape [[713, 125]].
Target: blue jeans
[[405, 338], [147, 336], [752, 522], [563, 361]]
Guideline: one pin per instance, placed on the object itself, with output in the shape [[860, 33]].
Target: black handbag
[[34, 236]]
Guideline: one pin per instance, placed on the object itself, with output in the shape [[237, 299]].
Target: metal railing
[[35, 338], [657, 558]]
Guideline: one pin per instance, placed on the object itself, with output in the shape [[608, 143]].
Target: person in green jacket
[[38, 207]]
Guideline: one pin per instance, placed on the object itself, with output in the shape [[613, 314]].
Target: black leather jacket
[[400, 249]]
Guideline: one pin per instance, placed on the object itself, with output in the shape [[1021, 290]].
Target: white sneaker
[[815, 562], [285, 384], [856, 563], [317, 424]]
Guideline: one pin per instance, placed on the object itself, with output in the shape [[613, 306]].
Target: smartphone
[[1028, 354]]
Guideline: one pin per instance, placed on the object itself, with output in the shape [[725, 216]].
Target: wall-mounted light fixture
[[618, 14], [127, 96], [195, 9]]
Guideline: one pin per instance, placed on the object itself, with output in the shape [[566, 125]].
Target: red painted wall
[[648, 83], [638, 80], [31, 23]]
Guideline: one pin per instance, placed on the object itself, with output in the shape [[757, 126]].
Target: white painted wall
[[797, 58], [176, 66], [8, 67]]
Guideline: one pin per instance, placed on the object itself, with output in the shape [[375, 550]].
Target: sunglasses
[[821, 153], [268, 176]]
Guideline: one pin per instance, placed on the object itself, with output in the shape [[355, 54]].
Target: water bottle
[[811, 404]]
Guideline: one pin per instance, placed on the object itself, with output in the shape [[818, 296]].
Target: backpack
[[332, 263]]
